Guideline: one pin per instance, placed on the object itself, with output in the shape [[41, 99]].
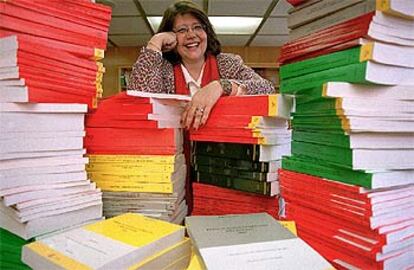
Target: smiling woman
[[184, 57]]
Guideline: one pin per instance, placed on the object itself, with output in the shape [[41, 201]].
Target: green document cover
[[233, 182], [11, 251], [248, 175], [324, 62], [354, 73], [228, 150], [323, 137], [238, 164], [329, 171]]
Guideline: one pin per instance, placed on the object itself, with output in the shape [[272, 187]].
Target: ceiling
[[130, 26]]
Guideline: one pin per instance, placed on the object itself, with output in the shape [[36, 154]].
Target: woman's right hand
[[163, 42]]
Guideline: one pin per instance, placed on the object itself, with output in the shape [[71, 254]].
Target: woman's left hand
[[197, 111]]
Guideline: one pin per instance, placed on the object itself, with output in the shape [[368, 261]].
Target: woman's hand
[[163, 42], [197, 111]]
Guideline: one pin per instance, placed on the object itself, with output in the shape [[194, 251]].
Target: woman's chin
[[193, 57]]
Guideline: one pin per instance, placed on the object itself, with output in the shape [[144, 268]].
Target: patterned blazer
[[153, 73]]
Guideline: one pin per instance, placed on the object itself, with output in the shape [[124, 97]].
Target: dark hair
[[188, 7]]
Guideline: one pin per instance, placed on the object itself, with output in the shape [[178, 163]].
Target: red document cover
[[78, 50], [42, 17], [335, 219], [120, 125], [367, 208], [131, 137], [222, 138], [44, 95], [93, 15], [213, 200], [326, 38], [54, 66], [296, 2], [19, 25], [242, 105], [47, 52]]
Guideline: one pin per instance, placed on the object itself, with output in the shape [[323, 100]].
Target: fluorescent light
[[223, 25], [155, 22], [235, 25]]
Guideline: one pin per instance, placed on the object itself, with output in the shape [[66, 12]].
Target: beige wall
[[115, 58]]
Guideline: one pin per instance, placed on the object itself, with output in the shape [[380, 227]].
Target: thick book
[[359, 91], [358, 123], [49, 224], [243, 174], [317, 10], [356, 252], [262, 136], [378, 52], [119, 242], [340, 90], [78, 50], [350, 12], [365, 73], [168, 259], [377, 209], [378, 26], [403, 9], [244, 242], [253, 105], [39, 15], [389, 108], [133, 140], [205, 198], [234, 163], [357, 159], [38, 26], [136, 176], [368, 179], [251, 152], [365, 223], [138, 164], [360, 140], [258, 187]]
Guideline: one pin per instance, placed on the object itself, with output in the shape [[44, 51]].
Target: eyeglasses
[[196, 28]]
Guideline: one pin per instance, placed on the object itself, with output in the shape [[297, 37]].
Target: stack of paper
[[254, 241], [245, 167], [257, 119], [51, 51], [48, 56], [138, 162], [128, 241], [353, 124], [320, 27], [43, 184], [214, 200], [239, 149]]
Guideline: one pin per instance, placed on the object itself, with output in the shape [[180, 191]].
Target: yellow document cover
[[115, 243]]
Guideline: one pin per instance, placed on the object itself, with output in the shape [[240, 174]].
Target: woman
[[184, 57]]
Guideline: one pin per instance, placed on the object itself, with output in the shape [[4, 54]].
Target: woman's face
[[191, 38]]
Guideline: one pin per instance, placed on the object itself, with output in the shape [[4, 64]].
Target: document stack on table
[[238, 151], [348, 184], [135, 146], [49, 76]]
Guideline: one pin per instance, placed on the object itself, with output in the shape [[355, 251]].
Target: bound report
[[115, 243], [252, 241]]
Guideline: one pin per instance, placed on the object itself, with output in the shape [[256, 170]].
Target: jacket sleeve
[[151, 73], [232, 67]]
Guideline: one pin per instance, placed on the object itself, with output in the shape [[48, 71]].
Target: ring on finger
[[200, 110]]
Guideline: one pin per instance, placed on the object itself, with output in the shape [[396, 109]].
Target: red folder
[[326, 38]]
